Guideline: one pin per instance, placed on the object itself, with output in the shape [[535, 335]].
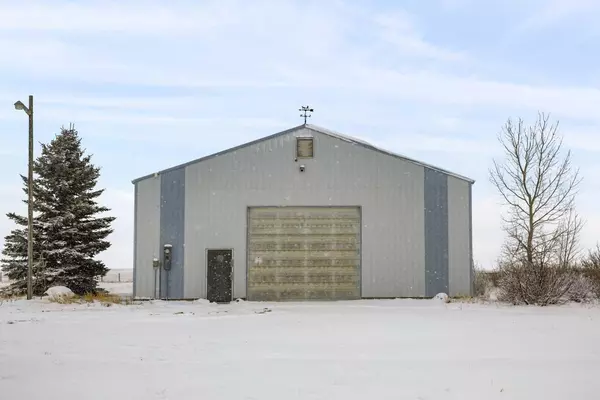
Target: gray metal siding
[[146, 235], [219, 190], [460, 237], [172, 223], [436, 233]]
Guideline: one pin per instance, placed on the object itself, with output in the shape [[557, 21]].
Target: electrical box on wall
[[167, 256]]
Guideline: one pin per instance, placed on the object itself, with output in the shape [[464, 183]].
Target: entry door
[[219, 275]]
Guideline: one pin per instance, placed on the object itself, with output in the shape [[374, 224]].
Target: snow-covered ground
[[394, 349]]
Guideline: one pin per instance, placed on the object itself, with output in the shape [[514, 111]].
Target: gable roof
[[317, 129]]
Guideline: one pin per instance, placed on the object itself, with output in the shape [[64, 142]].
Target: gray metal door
[[219, 275]]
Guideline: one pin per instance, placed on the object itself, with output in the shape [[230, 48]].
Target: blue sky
[[150, 84]]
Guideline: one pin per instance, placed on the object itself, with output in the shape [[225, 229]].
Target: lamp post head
[[20, 106]]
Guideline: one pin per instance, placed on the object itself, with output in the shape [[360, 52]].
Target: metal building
[[304, 214]]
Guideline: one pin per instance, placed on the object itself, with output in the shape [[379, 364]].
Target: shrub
[[582, 288], [522, 283], [104, 298], [590, 267], [480, 282], [483, 281]]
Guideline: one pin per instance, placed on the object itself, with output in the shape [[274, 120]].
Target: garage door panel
[[297, 253], [305, 253], [313, 212], [325, 263], [293, 232], [334, 276], [320, 235], [296, 294]]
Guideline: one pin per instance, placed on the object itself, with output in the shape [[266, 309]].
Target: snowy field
[[394, 349], [121, 288], [119, 275]]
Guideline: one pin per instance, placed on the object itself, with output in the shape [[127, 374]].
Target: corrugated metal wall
[[172, 231], [459, 241], [390, 191], [147, 235], [436, 233]]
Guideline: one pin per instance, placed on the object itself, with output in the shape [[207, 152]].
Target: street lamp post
[[29, 111]]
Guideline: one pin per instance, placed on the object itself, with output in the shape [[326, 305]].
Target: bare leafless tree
[[538, 185]]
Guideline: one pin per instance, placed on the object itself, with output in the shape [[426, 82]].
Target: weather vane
[[305, 110]]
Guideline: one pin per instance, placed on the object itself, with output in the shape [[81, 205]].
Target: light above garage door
[[303, 253]]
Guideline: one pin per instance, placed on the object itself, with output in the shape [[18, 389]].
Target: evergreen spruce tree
[[68, 230]]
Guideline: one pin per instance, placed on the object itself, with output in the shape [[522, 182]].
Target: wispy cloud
[[138, 18], [401, 31], [552, 13], [159, 82], [339, 65]]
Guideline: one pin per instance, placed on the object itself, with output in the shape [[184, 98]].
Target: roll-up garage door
[[303, 253]]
